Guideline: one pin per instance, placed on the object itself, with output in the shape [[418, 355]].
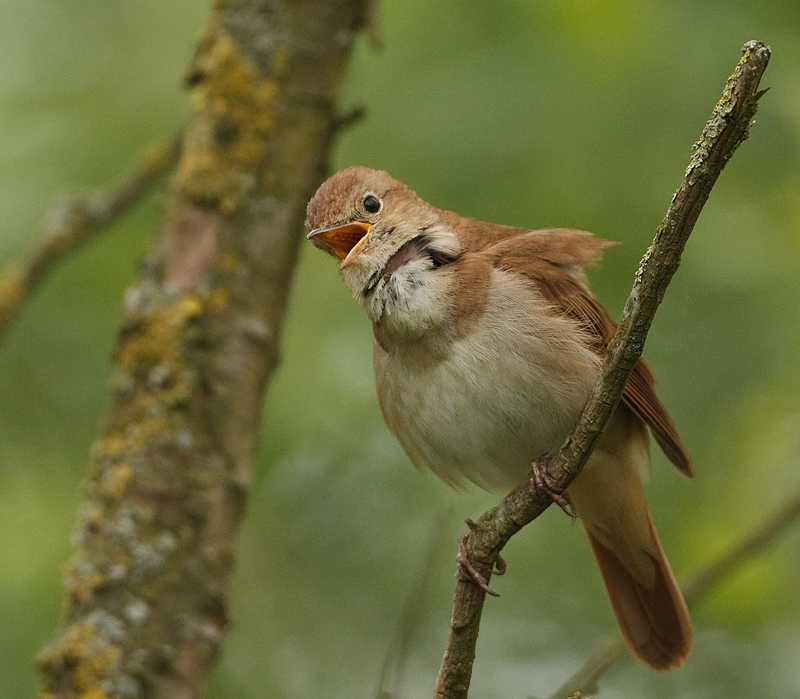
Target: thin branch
[[724, 132], [584, 681], [396, 663], [75, 222], [748, 547], [701, 584]]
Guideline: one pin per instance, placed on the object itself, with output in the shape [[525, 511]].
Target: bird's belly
[[484, 412]]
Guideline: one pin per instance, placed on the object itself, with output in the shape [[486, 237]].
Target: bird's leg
[[540, 481]]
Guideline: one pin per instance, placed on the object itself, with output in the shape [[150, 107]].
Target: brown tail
[[653, 620], [610, 501]]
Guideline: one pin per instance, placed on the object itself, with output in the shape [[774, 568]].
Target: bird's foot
[[500, 565], [540, 481], [471, 573]]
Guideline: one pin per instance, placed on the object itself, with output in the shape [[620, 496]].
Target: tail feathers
[[653, 615]]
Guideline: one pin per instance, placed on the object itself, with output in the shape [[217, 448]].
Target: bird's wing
[[553, 259]]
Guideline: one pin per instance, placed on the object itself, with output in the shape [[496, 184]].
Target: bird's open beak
[[343, 241]]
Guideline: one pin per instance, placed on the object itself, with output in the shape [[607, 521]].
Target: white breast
[[507, 393]]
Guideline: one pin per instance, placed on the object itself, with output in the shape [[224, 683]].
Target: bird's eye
[[372, 204]]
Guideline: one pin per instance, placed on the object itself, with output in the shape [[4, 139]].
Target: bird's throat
[[419, 247]]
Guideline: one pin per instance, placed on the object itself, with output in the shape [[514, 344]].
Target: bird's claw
[[540, 482], [471, 572], [500, 565]]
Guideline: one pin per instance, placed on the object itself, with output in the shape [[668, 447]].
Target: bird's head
[[383, 233]]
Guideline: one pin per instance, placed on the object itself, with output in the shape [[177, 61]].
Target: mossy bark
[[147, 585]]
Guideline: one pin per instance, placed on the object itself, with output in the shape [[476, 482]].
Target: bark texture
[[147, 585]]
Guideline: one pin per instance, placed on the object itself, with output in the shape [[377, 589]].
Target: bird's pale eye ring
[[372, 204]]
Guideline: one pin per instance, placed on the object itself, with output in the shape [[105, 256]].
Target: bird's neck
[[410, 292], [410, 303]]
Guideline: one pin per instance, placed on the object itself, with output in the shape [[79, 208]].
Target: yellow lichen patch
[[233, 116], [81, 576], [158, 381], [94, 693], [281, 62], [188, 307], [115, 479], [92, 515], [227, 261], [81, 584], [157, 340], [89, 658], [218, 299], [111, 446]]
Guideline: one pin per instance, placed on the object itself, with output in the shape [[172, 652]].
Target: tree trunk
[[147, 585]]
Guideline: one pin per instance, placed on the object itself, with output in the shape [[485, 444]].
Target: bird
[[486, 344]]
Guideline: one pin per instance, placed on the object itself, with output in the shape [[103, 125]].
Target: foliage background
[[572, 113]]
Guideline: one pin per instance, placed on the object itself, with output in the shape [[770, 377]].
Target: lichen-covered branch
[[147, 585], [700, 585], [727, 128], [74, 223]]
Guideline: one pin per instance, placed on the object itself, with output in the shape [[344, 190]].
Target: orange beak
[[343, 241]]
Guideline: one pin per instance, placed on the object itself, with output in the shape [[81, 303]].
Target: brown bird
[[487, 342]]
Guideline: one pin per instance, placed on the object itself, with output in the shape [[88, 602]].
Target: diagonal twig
[[727, 128], [75, 222]]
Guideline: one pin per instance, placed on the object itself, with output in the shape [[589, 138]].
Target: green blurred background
[[549, 113]]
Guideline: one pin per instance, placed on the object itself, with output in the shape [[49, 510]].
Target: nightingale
[[487, 342]]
